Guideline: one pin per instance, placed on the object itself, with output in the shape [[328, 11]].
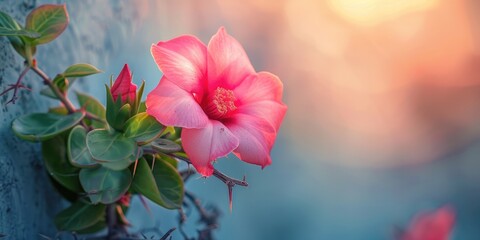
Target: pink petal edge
[[183, 60], [173, 106], [205, 145]]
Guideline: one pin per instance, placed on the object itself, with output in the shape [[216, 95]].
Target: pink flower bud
[[124, 87]]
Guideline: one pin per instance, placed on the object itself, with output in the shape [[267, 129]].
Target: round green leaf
[[107, 147], [163, 185], [143, 128], [49, 21], [121, 164], [44, 126], [165, 145], [54, 152], [78, 153], [104, 185], [80, 70], [79, 216]]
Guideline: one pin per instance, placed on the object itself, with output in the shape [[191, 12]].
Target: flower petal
[[228, 64], [432, 225], [123, 86], [270, 111], [256, 136], [183, 60], [258, 87], [205, 145], [173, 106]]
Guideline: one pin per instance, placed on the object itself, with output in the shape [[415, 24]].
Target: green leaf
[[6, 21], [80, 70], [163, 185], [61, 82], [98, 226], [9, 23], [105, 185], [112, 150], [143, 128], [54, 152], [117, 114], [18, 32], [44, 126], [60, 110], [142, 107], [93, 106], [78, 153], [138, 99], [165, 146], [168, 159], [49, 21], [66, 193], [122, 116], [79, 216]]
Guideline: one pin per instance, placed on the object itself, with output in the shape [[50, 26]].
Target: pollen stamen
[[220, 103]]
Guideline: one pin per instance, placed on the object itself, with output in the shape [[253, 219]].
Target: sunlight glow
[[372, 12]]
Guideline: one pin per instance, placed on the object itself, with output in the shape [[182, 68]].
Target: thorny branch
[[207, 216], [16, 86], [66, 102], [230, 182]]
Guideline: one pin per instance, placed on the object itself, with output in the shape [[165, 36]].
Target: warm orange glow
[[371, 12]]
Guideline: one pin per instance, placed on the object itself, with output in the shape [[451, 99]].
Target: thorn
[[153, 161], [135, 168], [230, 196], [145, 205]]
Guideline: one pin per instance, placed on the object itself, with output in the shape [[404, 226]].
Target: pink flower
[[431, 226], [124, 87], [216, 96]]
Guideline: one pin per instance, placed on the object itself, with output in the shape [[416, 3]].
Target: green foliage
[[104, 185], [79, 216], [94, 107], [80, 70], [54, 154], [143, 128], [162, 184], [44, 126], [49, 21], [78, 153], [93, 155], [138, 102], [18, 32], [112, 150], [7, 23], [43, 24], [64, 80], [165, 146], [117, 113]]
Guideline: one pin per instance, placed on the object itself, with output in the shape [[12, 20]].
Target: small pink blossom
[[124, 87], [431, 226], [216, 96]]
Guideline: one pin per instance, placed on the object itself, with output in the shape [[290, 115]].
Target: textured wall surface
[[27, 199]]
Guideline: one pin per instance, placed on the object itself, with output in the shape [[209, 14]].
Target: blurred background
[[383, 119]]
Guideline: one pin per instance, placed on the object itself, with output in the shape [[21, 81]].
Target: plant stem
[[56, 91], [224, 178], [111, 221]]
